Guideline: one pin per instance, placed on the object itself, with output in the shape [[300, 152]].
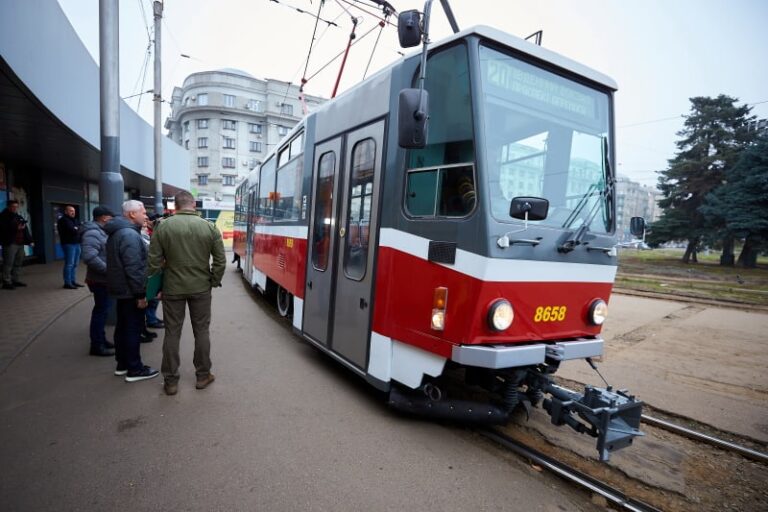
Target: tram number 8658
[[550, 314]]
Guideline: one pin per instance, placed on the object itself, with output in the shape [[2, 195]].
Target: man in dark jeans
[[94, 249], [126, 269], [69, 236]]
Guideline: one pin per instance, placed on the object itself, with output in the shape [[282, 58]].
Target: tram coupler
[[613, 417], [463, 411]]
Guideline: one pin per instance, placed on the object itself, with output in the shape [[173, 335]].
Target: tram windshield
[[546, 136]]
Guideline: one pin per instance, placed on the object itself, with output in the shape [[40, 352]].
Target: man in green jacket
[[182, 247]]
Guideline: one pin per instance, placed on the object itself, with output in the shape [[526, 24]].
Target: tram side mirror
[[536, 208], [637, 226], [412, 116], [409, 28]]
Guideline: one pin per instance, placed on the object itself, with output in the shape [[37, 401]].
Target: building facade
[[634, 200], [229, 121]]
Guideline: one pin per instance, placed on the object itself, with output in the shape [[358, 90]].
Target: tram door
[[322, 240], [249, 219], [357, 242], [351, 237]]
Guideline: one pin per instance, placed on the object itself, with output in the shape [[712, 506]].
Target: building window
[[202, 99], [228, 162], [282, 130], [255, 146], [229, 100], [202, 161], [202, 123], [254, 105], [186, 144], [202, 142], [186, 126], [229, 143], [202, 179], [229, 180], [229, 124], [254, 128], [286, 109]]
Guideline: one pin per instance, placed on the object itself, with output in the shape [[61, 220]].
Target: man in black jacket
[[69, 236], [126, 274], [14, 235], [94, 250]]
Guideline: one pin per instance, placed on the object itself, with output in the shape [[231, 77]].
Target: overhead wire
[[382, 24], [357, 40], [384, 19], [144, 18], [680, 116], [302, 11], [314, 32], [144, 75]]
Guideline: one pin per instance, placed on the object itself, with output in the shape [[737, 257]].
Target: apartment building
[[229, 121]]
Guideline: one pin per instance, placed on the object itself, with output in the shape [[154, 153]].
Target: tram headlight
[[598, 312], [500, 315]]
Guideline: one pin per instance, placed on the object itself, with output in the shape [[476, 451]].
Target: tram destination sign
[[529, 82]]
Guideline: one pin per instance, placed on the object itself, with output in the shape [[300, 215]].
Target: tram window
[[297, 145], [267, 188], [450, 127], [282, 156], [445, 192], [359, 210], [288, 197], [420, 198], [323, 215]]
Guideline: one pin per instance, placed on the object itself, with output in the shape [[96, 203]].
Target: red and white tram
[[485, 242]]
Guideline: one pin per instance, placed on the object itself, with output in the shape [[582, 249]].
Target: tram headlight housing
[[500, 315], [598, 312]]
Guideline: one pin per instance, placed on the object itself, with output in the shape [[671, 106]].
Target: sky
[[660, 52]]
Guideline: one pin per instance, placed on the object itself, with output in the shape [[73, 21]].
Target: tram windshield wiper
[[605, 196]]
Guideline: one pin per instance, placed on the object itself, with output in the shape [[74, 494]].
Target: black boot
[[101, 350]]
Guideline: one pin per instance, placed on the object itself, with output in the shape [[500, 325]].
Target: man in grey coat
[[94, 253], [126, 273]]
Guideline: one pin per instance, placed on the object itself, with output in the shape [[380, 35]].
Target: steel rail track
[[564, 471], [698, 436]]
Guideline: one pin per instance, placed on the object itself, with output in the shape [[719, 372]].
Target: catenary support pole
[[158, 10], [110, 179]]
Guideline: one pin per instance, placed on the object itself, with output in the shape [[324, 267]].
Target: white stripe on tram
[[497, 269], [286, 231]]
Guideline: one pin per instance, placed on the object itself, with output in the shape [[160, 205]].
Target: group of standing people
[[185, 249], [189, 252]]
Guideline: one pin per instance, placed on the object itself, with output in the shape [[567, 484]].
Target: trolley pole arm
[[449, 15], [344, 60]]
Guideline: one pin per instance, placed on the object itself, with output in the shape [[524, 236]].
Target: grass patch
[[662, 271]]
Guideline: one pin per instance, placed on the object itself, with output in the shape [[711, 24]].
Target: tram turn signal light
[[439, 303]]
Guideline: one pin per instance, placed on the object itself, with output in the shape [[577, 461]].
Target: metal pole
[[110, 179], [158, 9]]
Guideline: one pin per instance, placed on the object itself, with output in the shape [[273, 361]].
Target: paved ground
[[698, 361], [282, 428]]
